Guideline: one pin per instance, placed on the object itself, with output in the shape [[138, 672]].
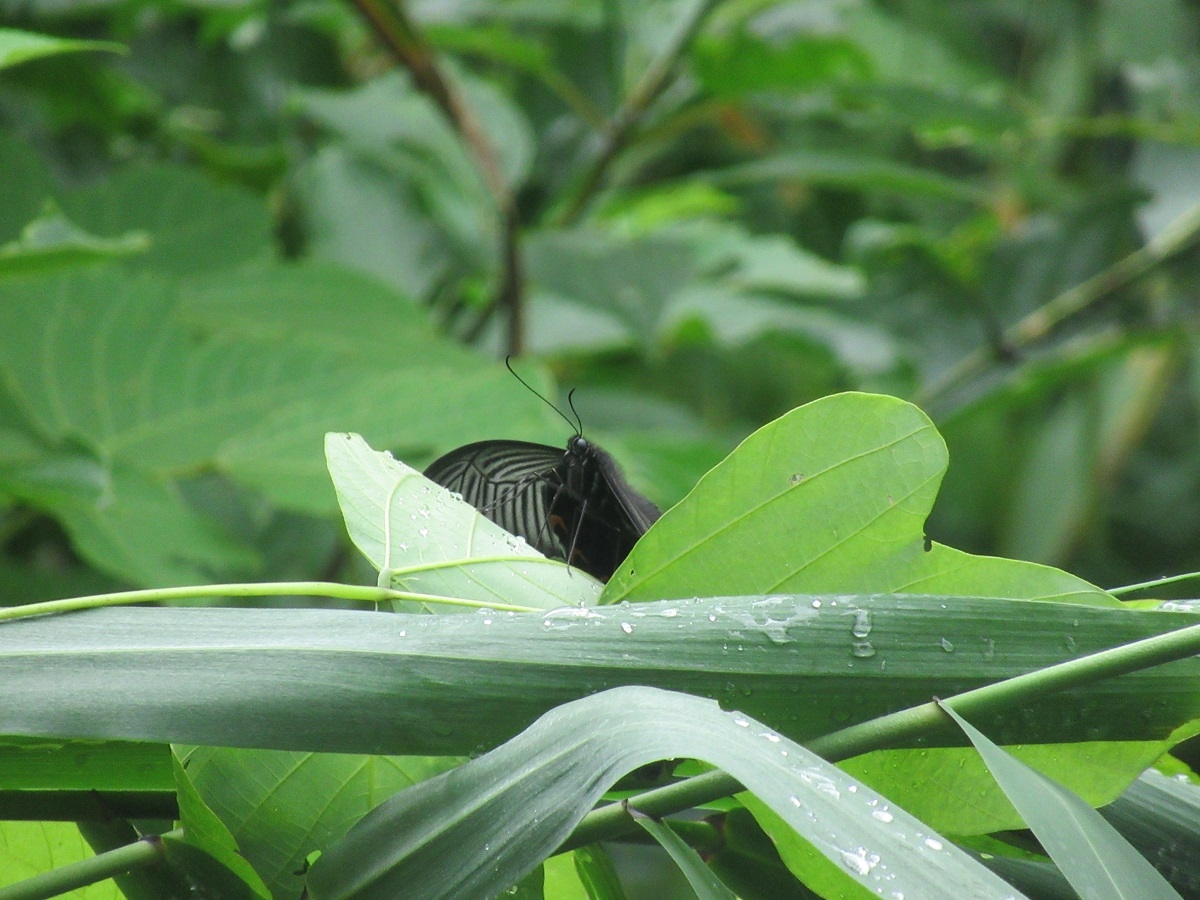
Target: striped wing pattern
[[513, 483], [571, 504]]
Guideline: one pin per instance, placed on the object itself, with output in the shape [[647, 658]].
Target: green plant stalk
[[1156, 582], [364, 593], [1180, 233], [88, 871], [620, 129], [613, 820]]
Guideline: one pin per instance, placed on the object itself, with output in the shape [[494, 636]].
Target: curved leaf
[[831, 497]]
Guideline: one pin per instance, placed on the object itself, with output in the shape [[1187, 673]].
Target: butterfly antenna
[[575, 412], [513, 372]]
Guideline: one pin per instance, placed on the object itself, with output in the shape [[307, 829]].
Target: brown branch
[[391, 24], [621, 127]]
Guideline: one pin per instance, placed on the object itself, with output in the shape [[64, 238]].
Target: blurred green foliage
[[254, 227]]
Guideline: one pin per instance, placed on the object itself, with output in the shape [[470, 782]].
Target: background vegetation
[[240, 225]]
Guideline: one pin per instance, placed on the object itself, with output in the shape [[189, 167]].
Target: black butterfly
[[574, 505]]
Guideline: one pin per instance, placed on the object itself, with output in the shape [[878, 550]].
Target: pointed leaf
[[479, 828], [423, 539], [1097, 861]]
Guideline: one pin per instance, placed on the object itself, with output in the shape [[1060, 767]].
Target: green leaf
[[702, 879], [205, 832], [280, 807], [31, 848], [596, 872], [742, 62], [1088, 851], [17, 47], [831, 497], [477, 829], [196, 226], [421, 538], [365, 682], [53, 241], [875, 175]]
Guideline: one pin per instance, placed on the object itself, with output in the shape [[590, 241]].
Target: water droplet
[[862, 624], [404, 546], [795, 800], [670, 613], [712, 617], [947, 646], [933, 844], [627, 628], [989, 649], [856, 860], [862, 649], [882, 815], [816, 604], [742, 722], [1069, 643]]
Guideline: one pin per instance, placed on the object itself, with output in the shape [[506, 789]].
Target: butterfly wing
[[513, 483], [572, 504]]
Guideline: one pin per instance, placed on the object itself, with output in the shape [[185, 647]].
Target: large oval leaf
[[832, 497]]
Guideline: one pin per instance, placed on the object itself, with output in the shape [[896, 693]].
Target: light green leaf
[[54, 241], [204, 831], [702, 879], [474, 831], [420, 538], [31, 848], [282, 806], [17, 47], [1087, 850], [196, 225], [831, 497]]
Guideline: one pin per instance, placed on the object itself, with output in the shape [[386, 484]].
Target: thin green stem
[[612, 820], [137, 855], [249, 589], [1181, 232], [1157, 582], [621, 127]]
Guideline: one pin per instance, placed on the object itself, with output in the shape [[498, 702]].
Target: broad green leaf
[[281, 806], [352, 681], [477, 829], [630, 279], [143, 531], [702, 879], [421, 538], [831, 497], [1086, 849], [196, 226], [65, 348], [363, 217], [318, 305], [30, 848], [17, 47], [205, 832]]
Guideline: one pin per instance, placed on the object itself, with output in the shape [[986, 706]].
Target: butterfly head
[[579, 446]]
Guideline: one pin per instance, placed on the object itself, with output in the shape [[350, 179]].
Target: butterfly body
[[573, 505]]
